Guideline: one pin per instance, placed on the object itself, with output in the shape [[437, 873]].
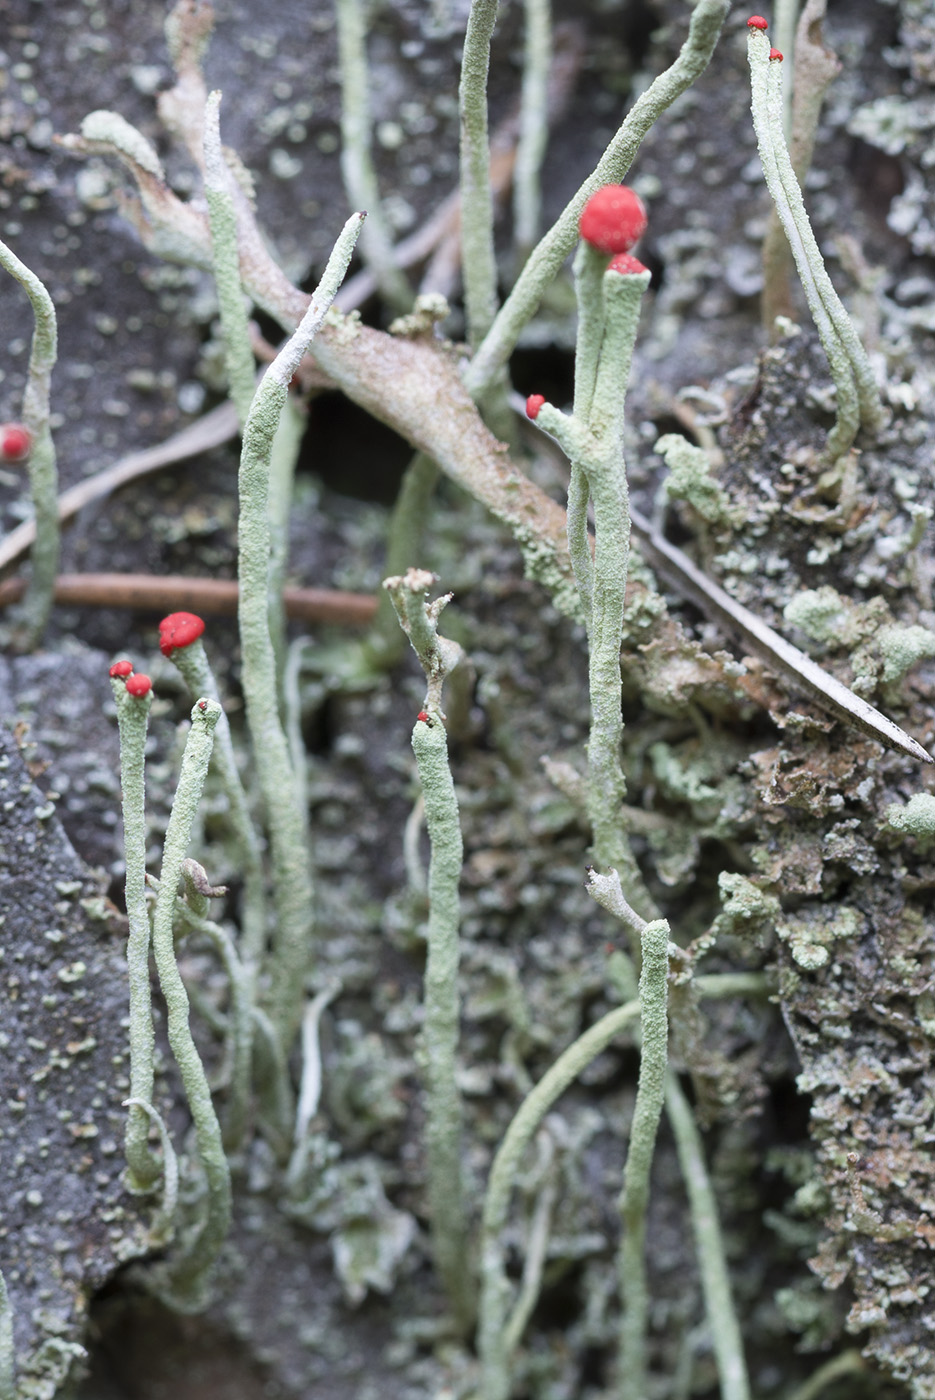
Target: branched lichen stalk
[[404, 536], [634, 1200], [552, 250], [495, 1286], [477, 249], [162, 1228], [226, 262], [143, 1167], [286, 819], [360, 180], [189, 1274], [43, 477]]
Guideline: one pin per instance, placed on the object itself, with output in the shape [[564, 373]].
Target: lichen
[[690, 480]]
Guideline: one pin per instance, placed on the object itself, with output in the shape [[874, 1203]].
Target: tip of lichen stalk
[[613, 219], [626, 263], [533, 405], [757, 22], [179, 629], [15, 442], [121, 669], [775, 56], [139, 685]]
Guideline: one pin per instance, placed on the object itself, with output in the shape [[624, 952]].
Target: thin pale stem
[[225, 258], [405, 534], [43, 476], [188, 1276], [634, 1199], [360, 179], [495, 1287], [477, 250], [195, 669], [726, 1337], [143, 1167], [533, 124], [7, 1368], [286, 818]]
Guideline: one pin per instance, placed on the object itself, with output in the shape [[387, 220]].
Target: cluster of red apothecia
[[612, 222], [177, 630]]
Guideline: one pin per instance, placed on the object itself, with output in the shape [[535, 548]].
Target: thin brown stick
[[174, 593]]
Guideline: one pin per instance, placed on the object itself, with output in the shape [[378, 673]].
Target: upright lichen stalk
[[43, 477], [281, 794], [189, 1273], [610, 293], [132, 720], [438, 657]]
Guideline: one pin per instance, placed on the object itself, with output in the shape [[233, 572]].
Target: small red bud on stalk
[[613, 219], [533, 404], [139, 685], [15, 442], [179, 629], [757, 22], [775, 56], [624, 263], [422, 715], [121, 669]]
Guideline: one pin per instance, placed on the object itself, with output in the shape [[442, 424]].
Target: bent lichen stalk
[[495, 1287], [858, 398], [143, 1167], [187, 1276], [293, 891], [43, 476]]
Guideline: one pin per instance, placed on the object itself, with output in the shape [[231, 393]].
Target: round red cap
[[613, 219], [120, 669], [775, 55], [757, 22], [139, 685], [533, 404], [179, 630]]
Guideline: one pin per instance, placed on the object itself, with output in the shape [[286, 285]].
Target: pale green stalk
[[163, 1227], [143, 1168], [477, 249], [285, 816], [283, 458], [709, 1247], [43, 476], [360, 180], [726, 1337], [544, 263], [537, 1244], [7, 1375], [225, 257], [441, 1024], [195, 669], [849, 1363], [273, 1084], [533, 124], [785, 18], [188, 1275], [239, 1020], [634, 1199], [857, 395], [593, 445], [495, 1286]]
